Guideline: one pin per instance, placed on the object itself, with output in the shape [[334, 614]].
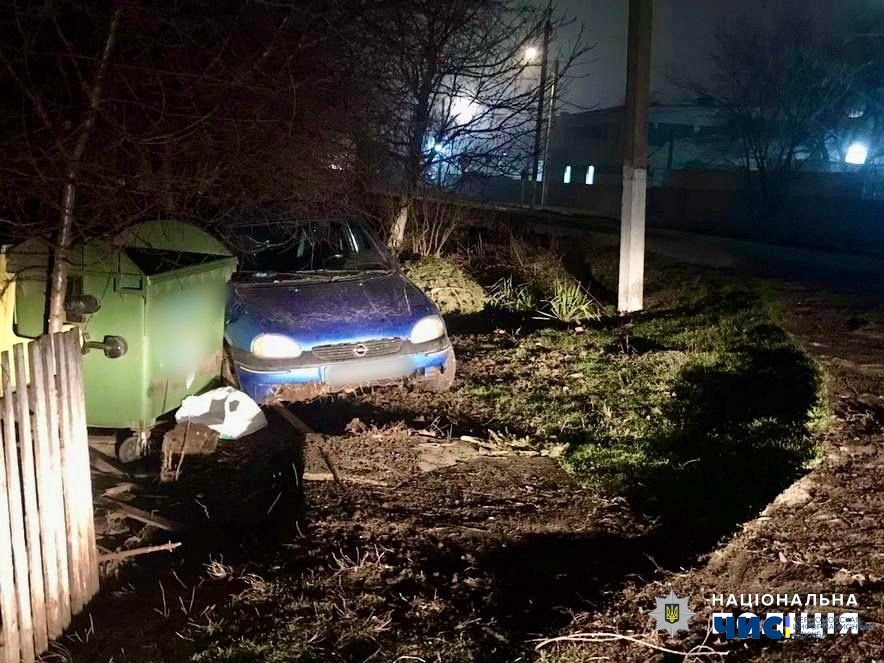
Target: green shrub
[[570, 302], [450, 288], [512, 296]]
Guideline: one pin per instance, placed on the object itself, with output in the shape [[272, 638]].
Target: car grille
[[344, 351]]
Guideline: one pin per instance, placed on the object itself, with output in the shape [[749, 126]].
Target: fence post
[[49, 516], [59, 520], [8, 603], [80, 442], [31, 512], [13, 486], [73, 508]]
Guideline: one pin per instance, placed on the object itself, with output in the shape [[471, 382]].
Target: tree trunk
[[414, 159], [397, 232], [59, 278]]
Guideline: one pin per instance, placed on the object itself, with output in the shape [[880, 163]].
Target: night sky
[[683, 39]]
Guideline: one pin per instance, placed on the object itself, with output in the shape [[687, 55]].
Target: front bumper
[[299, 382]]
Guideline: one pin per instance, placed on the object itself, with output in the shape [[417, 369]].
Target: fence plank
[[49, 516], [13, 486], [59, 519], [80, 439], [31, 512], [70, 476], [8, 607]]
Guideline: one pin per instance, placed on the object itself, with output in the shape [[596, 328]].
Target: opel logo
[[360, 350]]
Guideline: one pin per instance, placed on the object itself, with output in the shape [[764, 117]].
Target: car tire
[[443, 381]]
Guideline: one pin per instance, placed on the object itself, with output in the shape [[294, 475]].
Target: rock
[[845, 578], [794, 496], [356, 426], [433, 456]]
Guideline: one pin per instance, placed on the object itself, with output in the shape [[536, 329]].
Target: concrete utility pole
[[544, 190], [635, 157], [538, 129]]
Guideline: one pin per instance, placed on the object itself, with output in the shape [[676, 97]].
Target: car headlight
[[275, 346], [427, 329]]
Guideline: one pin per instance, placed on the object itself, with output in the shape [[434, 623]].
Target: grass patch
[[704, 396], [450, 288]]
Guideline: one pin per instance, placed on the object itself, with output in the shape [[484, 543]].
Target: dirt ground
[[405, 531], [823, 534]]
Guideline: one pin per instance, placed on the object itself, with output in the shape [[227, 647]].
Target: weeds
[[218, 570], [434, 223], [506, 294], [570, 303]]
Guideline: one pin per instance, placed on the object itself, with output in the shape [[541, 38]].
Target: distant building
[[586, 148]]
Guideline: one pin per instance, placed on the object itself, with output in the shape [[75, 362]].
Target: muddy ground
[[822, 535], [449, 535]]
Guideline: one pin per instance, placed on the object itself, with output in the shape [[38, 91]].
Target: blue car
[[321, 306]]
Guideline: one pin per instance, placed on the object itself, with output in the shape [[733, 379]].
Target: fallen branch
[[143, 516], [328, 476], [134, 552], [291, 419], [331, 466], [105, 464], [696, 652]]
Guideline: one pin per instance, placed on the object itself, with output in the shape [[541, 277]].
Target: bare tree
[[775, 87], [454, 89], [148, 109]]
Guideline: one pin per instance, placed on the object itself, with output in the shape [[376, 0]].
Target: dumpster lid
[[168, 235]]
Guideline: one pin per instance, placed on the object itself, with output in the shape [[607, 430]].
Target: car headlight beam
[[427, 329], [275, 346]]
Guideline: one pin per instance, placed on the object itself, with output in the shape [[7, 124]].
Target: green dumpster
[[150, 303]]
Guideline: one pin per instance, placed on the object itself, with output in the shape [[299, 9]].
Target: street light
[[531, 53], [463, 110], [857, 154]]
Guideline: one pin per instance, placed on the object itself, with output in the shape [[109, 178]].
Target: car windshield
[[309, 249]]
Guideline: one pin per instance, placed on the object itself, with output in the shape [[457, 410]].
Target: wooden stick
[[13, 485], [32, 514], [328, 476], [291, 419], [143, 516], [49, 513], [133, 552], [105, 464]]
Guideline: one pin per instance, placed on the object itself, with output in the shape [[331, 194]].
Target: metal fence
[[48, 557]]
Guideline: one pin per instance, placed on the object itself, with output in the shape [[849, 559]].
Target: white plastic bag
[[226, 410]]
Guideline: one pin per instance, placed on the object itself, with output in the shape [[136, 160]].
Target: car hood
[[343, 311]]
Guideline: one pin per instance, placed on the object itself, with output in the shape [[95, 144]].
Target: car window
[[315, 246]]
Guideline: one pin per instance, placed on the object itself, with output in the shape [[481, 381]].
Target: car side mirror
[[113, 347]]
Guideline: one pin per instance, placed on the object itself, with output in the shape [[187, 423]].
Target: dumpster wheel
[[131, 446]]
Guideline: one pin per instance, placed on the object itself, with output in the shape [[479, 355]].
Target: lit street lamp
[[857, 154]]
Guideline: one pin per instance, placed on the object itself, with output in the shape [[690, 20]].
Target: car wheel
[[443, 381], [228, 370]]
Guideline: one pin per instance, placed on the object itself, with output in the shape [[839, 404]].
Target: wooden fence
[[48, 558]]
